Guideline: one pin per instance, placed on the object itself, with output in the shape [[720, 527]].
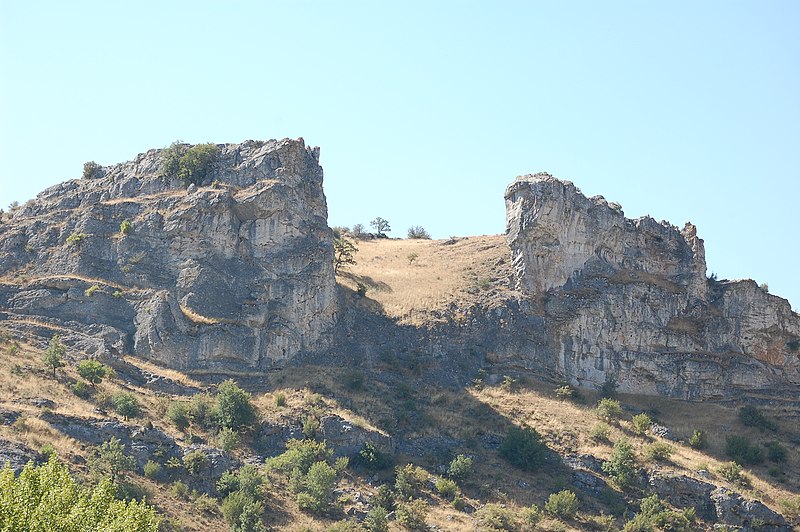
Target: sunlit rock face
[[232, 274], [629, 299]]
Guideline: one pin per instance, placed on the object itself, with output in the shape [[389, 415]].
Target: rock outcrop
[[232, 274], [630, 300]]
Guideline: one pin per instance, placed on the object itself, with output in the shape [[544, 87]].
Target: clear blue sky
[[425, 111]]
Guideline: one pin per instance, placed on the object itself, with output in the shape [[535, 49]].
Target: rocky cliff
[[630, 300], [231, 274]]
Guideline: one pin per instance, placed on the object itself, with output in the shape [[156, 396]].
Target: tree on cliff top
[[191, 165], [381, 226]]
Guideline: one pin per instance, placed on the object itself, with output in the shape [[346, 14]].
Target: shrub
[[92, 170], [125, 227], [563, 504], [495, 517], [409, 480], [92, 370], [202, 410], [384, 498], [381, 226], [358, 231], [608, 409], [531, 515], [377, 520], [775, 452], [412, 514], [152, 469], [370, 457], [621, 466], [109, 459], [76, 238], [195, 461], [609, 387], [191, 165], [180, 490], [80, 389], [280, 399], [447, 488], [658, 451], [233, 407], [53, 357], [89, 292], [247, 480], [344, 252], [653, 516], [790, 506], [732, 472], [354, 381], [641, 422], [300, 455], [418, 232], [523, 448], [412, 257], [243, 513], [317, 488], [740, 449], [565, 392], [698, 440], [600, 432], [310, 426], [460, 468], [752, 417], [125, 404], [178, 415], [227, 439]]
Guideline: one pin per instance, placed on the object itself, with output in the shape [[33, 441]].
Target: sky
[[426, 110]]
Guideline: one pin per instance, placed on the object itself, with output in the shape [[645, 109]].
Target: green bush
[[110, 460], [460, 468], [384, 498], [600, 432], [300, 455], [608, 409], [621, 466], [775, 452], [531, 515], [92, 370], [180, 490], [152, 469], [317, 488], [563, 504], [53, 357], [227, 439], [46, 497], [653, 516], [202, 411], [412, 514], [370, 457], [523, 448], [243, 513], [739, 449], [178, 415], [76, 238], [280, 399], [494, 517], [698, 440], [80, 389], [752, 417], [92, 170], [195, 461], [447, 488], [641, 423], [125, 404], [125, 227], [233, 407], [732, 472], [310, 426], [418, 232], [658, 451], [377, 520], [191, 165], [409, 480]]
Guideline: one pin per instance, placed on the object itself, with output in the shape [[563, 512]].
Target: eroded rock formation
[[232, 275], [630, 299]]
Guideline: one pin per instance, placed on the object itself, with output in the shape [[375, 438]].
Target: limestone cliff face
[[630, 298], [232, 275]]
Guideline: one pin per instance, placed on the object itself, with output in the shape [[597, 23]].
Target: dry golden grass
[[442, 272], [194, 317]]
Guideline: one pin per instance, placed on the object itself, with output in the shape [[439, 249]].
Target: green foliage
[[125, 227], [621, 466], [125, 404], [698, 440], [243, 513], [381, 226], [412, 514], [354, 381], [110, 459], [531, 515], [418, 232], [92, 170], [46, 497], [377, 520], [460, 468], [191, 165], [447, 488], [641, 423], [370, 457], [563, 504], [178, 415], [202, 410], [195, 461], [246, 479], [76, 238], [53, 357], [280, 399], [317, 488], [790, 506], [776, 452], [495, 517], [234, 409], [310, 426], [409, 480], [47, 450], [89, 292], [344, 252], [80, 389], [732, 472], [739, 449], [152, 470], [600, 432], [300, 455], [523, 448], [180, 490], [658, 451], [384, 498], [653, 516], [609, 386], [92, 371], [227, 439], [752, 417], [565, 392], [608, 409]]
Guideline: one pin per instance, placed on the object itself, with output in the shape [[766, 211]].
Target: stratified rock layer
[[629, 299], [232, 275]]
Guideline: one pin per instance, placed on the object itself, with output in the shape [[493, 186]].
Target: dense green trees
[[53, 357], [190, 164]]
